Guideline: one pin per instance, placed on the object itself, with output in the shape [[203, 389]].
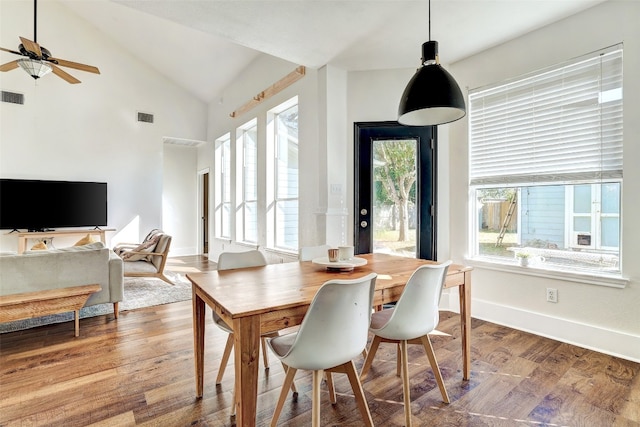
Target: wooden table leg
[[76, 318], [198, 341], [465, 324], [246, 332]]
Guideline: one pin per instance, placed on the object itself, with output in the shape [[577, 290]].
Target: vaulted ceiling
[[203, 44]]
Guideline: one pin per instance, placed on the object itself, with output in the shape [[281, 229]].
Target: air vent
[[145, 117], [12, 97]]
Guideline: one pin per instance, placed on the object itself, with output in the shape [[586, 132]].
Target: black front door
[[395, 189]]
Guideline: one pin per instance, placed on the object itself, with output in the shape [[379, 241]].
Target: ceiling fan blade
[[10, 51], [9, 66], [63, 74], [76, 65], [32, 47]]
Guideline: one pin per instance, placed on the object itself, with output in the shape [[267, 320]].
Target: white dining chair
[[307, 253], [232, 261], [333, 332], [411, 320]]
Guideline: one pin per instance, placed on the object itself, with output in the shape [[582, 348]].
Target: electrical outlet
[[552, 295]]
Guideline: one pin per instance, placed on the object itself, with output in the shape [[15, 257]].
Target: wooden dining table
[[257, 300]]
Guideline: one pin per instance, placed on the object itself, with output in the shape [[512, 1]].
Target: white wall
[[89, 131], [603, 318], [180, 198]]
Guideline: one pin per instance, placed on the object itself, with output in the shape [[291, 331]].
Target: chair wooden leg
[[356, 385], [288, 380], [225, 358], [315, 405], [265, 355], [370, 354], [398, 361], [233, 400], [165, 278], [293, 384], [428, 348], [406, 390], [116, 310], [330, 387]]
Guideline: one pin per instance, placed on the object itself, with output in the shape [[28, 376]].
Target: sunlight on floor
[[497, 417], [179, 269], [178, 266]]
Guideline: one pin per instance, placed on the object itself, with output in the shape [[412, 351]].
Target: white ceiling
[[203, 44]]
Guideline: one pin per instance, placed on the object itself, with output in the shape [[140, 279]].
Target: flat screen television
[[38, 205]]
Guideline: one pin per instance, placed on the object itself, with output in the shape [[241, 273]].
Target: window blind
[[562, 124]]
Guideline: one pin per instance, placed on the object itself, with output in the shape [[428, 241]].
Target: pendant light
[[432, 96]]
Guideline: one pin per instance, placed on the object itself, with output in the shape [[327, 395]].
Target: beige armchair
[[146, 259]]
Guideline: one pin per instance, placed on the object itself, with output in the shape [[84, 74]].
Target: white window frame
[[602, 162], [244, 181], [223, 186], [274, 233]]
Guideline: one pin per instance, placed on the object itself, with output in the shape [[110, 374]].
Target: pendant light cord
[[429, 20]]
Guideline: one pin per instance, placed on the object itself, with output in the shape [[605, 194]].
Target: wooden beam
[[275, 88]]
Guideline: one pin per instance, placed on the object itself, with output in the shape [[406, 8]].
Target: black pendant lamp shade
[[432, 96]]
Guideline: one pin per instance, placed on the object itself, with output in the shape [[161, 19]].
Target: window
[[247, 143], [545, 166], [223, 187], [283, 213]]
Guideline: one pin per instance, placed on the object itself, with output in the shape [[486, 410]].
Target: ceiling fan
[[38, 61]]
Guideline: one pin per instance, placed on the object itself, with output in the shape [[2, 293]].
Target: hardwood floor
[[139, 370]]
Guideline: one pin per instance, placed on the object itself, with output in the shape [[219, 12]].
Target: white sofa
[[40, 270]]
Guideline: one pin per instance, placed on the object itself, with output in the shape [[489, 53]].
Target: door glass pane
[[611, 198], [394, 213], [610, 232], [582, 198], [582, 224]]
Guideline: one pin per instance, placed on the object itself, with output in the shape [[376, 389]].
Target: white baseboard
[[173, 252], [592, 337]]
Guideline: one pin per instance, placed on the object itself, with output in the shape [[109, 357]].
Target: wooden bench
[[42, 303]]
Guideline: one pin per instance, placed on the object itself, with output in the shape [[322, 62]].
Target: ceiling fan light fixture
[[432, 96], [34, 67], [37, 60]]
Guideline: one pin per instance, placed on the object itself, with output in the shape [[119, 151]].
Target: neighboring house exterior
[[578, 217]]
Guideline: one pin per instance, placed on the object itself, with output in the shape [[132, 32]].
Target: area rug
[[138, 292]]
